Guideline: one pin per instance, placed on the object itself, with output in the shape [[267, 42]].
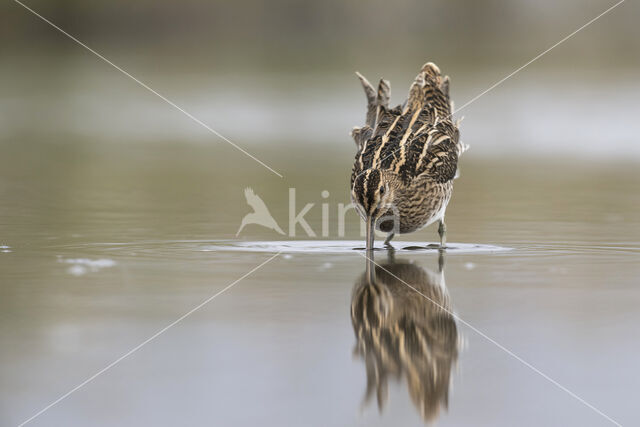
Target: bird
[[405, 328], [407, 157], [260, 214]]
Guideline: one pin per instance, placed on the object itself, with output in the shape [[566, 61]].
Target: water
[[105, 245], [342, 246]]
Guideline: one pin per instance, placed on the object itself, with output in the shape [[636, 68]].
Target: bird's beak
[[370, 233]]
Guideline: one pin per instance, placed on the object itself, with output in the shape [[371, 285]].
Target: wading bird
[[402, 177], [405, 328]]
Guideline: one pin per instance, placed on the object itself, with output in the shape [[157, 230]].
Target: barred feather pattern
[[419, 138], [401, 336], [417, 142]]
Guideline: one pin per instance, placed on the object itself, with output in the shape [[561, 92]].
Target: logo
[[331, 216], [260, 215]]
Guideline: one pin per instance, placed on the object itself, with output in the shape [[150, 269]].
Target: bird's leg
[[442, 231], [388, 240]]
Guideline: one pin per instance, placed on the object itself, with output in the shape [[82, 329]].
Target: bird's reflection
[[405, 329]]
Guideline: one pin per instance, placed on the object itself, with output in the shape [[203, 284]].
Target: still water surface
[[103, 246]]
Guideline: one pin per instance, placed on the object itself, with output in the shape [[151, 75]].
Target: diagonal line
[[508, 76], [541, 54], [142, 344], [501, 347], [165, 99]]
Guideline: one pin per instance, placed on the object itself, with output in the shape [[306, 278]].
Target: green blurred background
[[282, 71], [94, 167], [277, 78]]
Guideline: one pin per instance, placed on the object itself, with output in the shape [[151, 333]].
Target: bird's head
[[374, 193]]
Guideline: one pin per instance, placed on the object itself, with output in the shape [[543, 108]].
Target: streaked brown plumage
[[402, 334], [402, 177]]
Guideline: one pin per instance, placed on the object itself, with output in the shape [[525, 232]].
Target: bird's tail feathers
[[428, 103], [375, 98], [430, 89]]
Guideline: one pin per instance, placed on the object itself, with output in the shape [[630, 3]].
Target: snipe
[[405, 329], [402, 178]]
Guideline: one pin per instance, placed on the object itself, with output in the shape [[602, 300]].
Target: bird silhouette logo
[[260, 214]]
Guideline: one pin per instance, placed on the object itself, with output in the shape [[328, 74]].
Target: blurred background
[[283, 71], [112, 203]]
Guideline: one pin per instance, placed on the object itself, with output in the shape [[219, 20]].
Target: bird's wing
[[254, 200], [435, 152], [406, 139]]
